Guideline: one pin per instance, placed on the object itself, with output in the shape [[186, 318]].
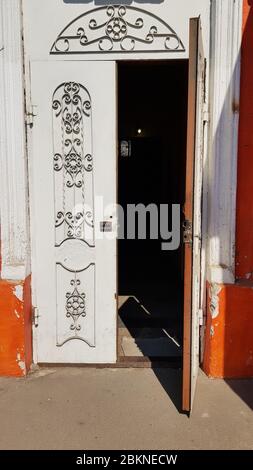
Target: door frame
[[225, 37], [33, 225], [32, 112]]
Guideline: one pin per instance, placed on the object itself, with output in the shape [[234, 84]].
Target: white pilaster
[[226, 35], [13, 164]]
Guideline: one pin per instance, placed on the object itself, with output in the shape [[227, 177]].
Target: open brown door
[[192, 214]]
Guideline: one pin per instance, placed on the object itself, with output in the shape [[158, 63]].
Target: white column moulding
[[224, 95], [13, 173]]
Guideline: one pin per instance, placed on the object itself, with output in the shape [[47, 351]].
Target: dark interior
[[152, 117]]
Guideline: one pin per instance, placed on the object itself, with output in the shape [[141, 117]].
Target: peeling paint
[[16, 313], [214, 292], [18, 292], [15, 327], [228, 343], [20, 363]]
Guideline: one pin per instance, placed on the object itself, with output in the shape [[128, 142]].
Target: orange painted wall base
[[15, 328], [229, 334]]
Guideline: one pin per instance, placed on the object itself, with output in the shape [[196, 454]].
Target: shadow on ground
[[244, 389], [171, 381]]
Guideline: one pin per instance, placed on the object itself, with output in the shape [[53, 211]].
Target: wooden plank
[[188, 212]]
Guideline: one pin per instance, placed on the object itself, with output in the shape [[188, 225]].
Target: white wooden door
[[73, 168]]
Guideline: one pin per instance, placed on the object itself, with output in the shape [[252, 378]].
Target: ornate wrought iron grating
[[117, 28]]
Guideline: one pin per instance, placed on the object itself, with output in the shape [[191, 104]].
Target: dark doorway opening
[[152, 127]]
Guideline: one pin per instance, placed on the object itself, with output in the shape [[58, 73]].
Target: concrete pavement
[[78, 408]]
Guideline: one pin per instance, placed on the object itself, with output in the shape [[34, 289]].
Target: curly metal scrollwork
[[117, 28], [74, 222], [71, 108], [75, 305]]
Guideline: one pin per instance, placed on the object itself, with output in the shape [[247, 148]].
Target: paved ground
[[73, 408]]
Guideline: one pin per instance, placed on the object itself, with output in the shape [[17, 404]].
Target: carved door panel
[[74, 164]]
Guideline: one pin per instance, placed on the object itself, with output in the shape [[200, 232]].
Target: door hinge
[[30, 116], [187, 231], [35, 317], [201, 317]]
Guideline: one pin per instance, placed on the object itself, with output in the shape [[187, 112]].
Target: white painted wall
[[221, 165], [15, 249], [45, 20]]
